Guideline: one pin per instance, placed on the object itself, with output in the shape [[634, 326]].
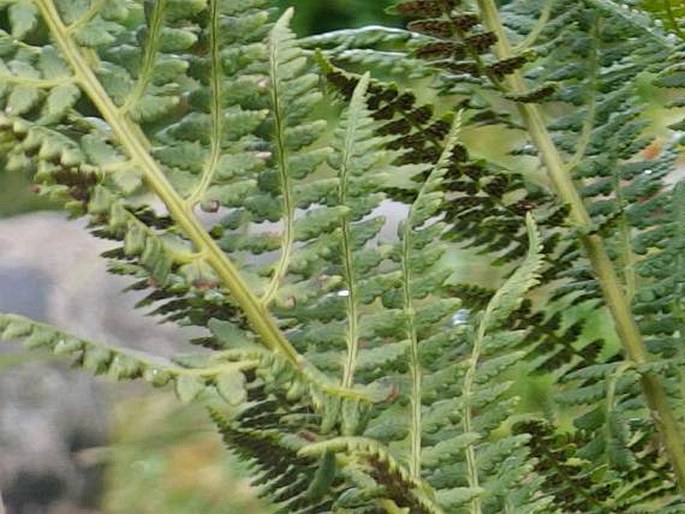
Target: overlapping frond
[[587, 56], [592, 54], [222, 379], [492, 473], [353, 383], [580, 484]]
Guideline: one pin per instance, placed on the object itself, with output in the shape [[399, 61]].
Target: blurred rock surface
[[50, 270]]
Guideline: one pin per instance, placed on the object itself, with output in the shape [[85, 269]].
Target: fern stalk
[[611, 403], [156, 23], [414, 358], [469, 378], [95, 7], [540, 25], [356, 106], [288, 241], [134, 144], [431, 183], [210, 167], [626, 326], [352, 306]]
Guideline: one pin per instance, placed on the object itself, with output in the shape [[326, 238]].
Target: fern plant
[[350, 370]]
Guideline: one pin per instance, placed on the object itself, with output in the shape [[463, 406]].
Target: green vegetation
[[352, 371], [318, 17]]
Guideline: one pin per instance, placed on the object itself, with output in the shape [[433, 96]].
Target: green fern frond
[[477, 377], [374, 47], [637, 19], [295, 483], [358, 377], [507, 298], [412, 233], [395, 482], [580, 484], [225, 378]]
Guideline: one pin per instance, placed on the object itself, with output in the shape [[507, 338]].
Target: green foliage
[[175, 453], [345, 367], [320, 17]]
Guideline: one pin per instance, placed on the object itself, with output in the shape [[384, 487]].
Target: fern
[[340, 366], [494, 466]]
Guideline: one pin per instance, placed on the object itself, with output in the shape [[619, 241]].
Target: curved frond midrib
[[215, 79], [354, 118], [412, 399], [151, 45], [288, 214]]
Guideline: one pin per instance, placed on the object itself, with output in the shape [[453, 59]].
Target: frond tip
[[508, 298]]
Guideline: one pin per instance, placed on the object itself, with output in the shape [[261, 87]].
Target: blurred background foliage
[[166, 458], [316, 16]]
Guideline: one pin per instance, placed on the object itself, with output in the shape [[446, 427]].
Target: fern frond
[[359, 378], [373, 47], [580, 484], [413, 231], [396, 483], [224, 378], [573, 142], [507, 298], [295, 483], [479, 374], [291, 97], [636, 19]]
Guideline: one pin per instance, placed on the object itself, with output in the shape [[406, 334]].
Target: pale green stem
[[149, 55], [36, 83], [611, 395], [352, 306], [288, 241], [147, 360], [414, 357], [540, 25], [415, 368], [346, 243], [93, 10], [216, 74], [352, 302], [469, 378], [616, 301]]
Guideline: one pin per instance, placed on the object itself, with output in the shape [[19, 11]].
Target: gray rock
[[50, 270]]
